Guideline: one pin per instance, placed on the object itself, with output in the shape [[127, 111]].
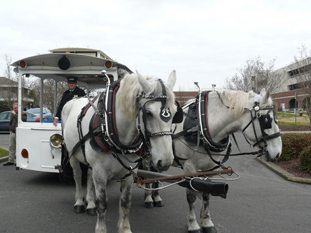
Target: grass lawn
[[3, 153], [288, 120]]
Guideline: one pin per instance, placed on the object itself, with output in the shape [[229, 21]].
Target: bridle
[[165, 115], [265, 122]]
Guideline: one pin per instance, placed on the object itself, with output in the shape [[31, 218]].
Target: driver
[[73, 92]]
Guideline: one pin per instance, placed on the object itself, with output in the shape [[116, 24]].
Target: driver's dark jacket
[[68, 95]]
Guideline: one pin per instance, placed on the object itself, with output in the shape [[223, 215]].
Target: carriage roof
[[86, 64]]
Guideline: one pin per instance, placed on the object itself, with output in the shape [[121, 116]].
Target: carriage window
[[31, 99]]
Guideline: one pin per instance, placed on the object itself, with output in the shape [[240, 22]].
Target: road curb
[[281, 172], [3, 159]]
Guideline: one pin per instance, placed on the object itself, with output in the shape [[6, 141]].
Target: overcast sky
[[203, 40]]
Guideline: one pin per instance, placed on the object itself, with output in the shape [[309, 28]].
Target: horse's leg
[[206, 221], [156, 196], [148, 197], [146, 165], [90, 194], [100, 184], [193, 226], [125, 205], [77, 176]]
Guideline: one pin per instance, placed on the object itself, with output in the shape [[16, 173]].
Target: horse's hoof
[[209, 230], [91, 211], [158, 204], [79, 209], [194, 231], [149, 205]]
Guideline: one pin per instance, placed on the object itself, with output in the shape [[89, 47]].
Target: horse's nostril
[[161, 167]]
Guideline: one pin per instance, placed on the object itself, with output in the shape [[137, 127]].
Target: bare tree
[[301, 72], [255, 75], [49, 91], [9, 87]]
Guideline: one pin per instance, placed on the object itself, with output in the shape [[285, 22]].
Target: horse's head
[[155, 117], [260, 125]]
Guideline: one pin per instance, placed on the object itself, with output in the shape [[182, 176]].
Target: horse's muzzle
[[160, 167]]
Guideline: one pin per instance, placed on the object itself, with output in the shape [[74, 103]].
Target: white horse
[[213, 116], [133, 116]]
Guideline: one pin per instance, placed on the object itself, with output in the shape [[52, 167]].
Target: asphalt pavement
[[259, 202], [4, 141]]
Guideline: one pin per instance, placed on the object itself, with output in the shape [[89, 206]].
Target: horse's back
[[70, 114]]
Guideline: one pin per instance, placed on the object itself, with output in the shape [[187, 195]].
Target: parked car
[[5, 121], [33, 115]]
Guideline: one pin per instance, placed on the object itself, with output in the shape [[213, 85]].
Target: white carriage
[[34, 150]]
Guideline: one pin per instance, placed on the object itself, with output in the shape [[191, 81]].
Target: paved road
[[259, 202]]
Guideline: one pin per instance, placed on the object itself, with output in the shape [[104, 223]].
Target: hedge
[[293, 144], [305, 159], [297, 146]]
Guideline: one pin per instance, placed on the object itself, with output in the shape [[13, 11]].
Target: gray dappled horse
[[133, 115], [211, 118]]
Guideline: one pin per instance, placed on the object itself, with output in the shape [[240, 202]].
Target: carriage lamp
[[56, 141], [22, 64], [108, 64]]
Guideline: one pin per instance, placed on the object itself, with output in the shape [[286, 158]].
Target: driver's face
[[72, 85]]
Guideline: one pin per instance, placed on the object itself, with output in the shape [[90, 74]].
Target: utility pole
[[254, 83]]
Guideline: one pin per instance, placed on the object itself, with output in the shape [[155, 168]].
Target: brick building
[[294, 89], [183, 96]]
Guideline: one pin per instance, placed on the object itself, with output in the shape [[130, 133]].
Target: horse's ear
[[143, 82], [171, 80], [265, 95], [263, 92]]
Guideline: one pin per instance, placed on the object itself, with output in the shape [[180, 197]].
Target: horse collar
[[107, 107], [202, 106]]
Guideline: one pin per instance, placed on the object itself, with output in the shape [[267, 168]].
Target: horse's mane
[[239, 100], [130, 89]]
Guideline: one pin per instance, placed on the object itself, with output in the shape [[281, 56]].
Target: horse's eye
[[148, 113]]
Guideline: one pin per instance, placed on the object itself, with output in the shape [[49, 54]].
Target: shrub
[[305, 159], [293, 144]]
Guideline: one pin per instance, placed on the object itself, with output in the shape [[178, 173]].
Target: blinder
[[179, 115], [165, 114], [265, 121]]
